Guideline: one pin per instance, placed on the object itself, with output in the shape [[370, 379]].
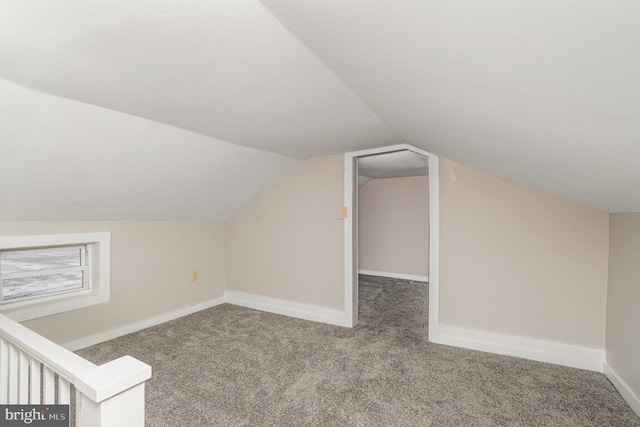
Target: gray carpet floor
[[233, 366]]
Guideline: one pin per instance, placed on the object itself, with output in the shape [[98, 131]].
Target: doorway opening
[[393, 239], [400, 161]]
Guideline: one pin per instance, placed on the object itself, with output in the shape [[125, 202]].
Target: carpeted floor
[[232, 366]]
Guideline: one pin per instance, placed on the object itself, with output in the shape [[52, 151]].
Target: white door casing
[[351, 236]]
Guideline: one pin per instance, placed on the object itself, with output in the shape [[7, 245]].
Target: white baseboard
[[395, 275], [632, 399], [527, 348], [134, 327], [288, 308]]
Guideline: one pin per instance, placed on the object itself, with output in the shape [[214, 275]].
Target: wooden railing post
[[112, 395]]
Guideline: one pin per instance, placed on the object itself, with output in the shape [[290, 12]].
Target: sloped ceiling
[[543, 93], [396, 164], [218, 72], [65, 160], [225, 68]]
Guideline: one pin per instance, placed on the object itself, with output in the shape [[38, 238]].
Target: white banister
[[108, 391], [35, 370]]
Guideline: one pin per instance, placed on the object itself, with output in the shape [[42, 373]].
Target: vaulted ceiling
[[185, 109]]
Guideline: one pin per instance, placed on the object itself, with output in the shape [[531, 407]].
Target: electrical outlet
[[194, 275]]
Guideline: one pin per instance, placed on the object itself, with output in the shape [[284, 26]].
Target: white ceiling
[[64, 160], [541, 92], [225, 68], [545, 93], [397, 164]]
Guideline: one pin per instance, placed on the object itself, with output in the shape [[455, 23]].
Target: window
[[27, 273], [43, 275]]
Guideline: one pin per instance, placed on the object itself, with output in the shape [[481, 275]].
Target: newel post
[[112, 395]]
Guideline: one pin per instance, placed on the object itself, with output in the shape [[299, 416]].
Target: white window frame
[[95, 291]]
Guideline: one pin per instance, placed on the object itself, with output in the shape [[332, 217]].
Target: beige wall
[[513, 260], [520, 261], [393, 226], [288, 243], [150, 266], [623, 299]]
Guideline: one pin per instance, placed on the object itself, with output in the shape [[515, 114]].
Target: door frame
[[351, 233]]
